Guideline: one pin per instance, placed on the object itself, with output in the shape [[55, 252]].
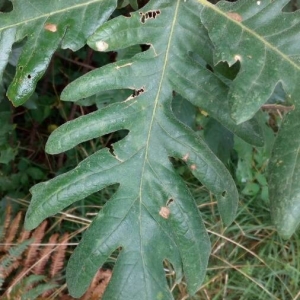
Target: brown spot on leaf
[[164, 212], [51, 27], [193, 167], [235, 16]]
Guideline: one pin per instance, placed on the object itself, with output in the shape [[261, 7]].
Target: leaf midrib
[[205, 3], [60, 11], [151, 125]]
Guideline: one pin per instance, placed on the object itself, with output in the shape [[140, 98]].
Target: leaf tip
[[286, 230], [30, 222], [285, 221], [28, 226], [50, 148], [241, 116]]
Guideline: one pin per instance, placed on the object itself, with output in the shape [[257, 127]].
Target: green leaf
[[265, 42], [7, 154], [251, 189], [35, 173], [219, 139], [34, 292], [123, 3], [46, 26], [284, 174], [102, 99], [184, 111], [152, 216], [204, 89], [128, 52], [244, 172]]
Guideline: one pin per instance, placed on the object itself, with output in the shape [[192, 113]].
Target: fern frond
[[26, 281], [45, 254], [7, 261], [7, 216], [2, 231], [37, 235], [59, 256], [29, 288], [102, 284], [3, 228], [13, 230], [38, 290], [24, 235], [98, 285]]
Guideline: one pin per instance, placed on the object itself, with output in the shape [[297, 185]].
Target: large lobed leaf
[[46, 25], [152, 217], [284, 176], [266, 42]]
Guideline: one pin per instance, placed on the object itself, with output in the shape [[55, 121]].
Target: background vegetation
[[248, 261]]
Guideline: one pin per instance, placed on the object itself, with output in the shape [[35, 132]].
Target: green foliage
[[7, 153], [46, 26], [24, 290], [224, 59], [284, 177], [252, 163], [14, 253], [264, 41]]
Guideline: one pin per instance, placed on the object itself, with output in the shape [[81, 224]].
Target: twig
[[86, 66], [278, 108]]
